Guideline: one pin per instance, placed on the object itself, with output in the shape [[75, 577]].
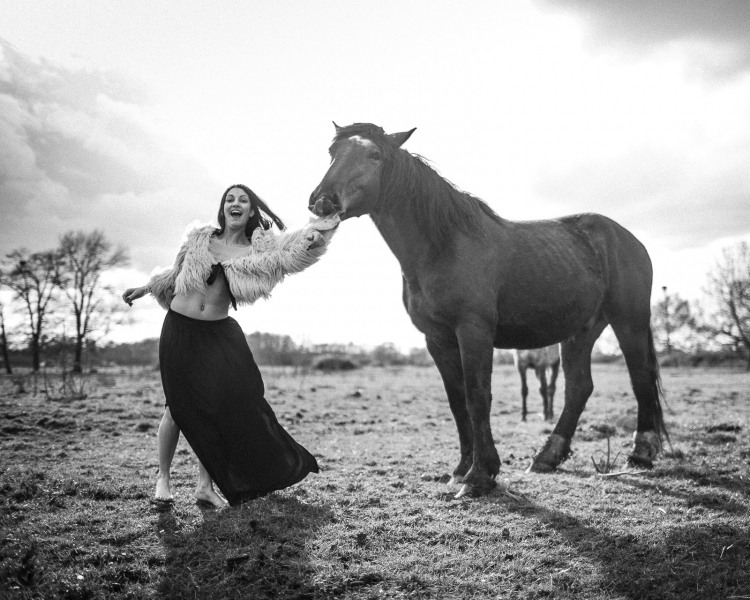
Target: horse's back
[[587, 232]]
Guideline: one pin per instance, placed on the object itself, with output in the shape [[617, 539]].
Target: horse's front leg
[[475, 342], [448, 361]]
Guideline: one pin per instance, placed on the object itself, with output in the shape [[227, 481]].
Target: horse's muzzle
[[322, 207]]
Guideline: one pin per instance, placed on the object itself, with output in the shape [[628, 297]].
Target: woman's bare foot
[[163, 489], [207, 495]]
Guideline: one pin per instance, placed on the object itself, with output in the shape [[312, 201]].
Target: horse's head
[[359, 153]]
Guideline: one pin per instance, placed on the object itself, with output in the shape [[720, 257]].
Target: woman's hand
[[321, 231], [315, 239], [132, 294]]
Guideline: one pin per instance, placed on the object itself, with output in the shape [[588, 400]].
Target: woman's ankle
[[163, 487], [205, 488]]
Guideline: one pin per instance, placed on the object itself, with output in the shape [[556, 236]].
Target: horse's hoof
[[538, 466], [646, 447], [639, 462], [555, 450], [456, 480], [474, 491]]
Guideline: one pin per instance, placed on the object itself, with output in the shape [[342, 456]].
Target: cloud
[[82, 148], [712, 35], [681, 199]]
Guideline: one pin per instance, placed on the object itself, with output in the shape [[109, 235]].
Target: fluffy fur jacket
[[269, 259]]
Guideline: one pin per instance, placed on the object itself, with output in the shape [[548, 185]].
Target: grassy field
[[379, 520]]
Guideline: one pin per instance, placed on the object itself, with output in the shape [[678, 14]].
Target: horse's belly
[[525, 338], [544, 320]]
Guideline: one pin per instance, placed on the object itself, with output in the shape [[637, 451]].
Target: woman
[[213, 388]]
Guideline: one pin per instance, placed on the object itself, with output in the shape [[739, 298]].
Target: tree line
[[278, 350], [59, 301]]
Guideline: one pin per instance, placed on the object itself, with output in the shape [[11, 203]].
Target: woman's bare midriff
[[211, 304]]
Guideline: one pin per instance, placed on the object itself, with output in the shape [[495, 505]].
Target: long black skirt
[[215, 394]]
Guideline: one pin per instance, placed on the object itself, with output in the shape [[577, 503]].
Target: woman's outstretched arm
[[275, 256], [289, 252], [161, 285]]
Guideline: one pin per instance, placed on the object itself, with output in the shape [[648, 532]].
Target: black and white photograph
[[355, 300]]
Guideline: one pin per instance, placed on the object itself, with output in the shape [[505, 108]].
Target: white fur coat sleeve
[[273, 257]]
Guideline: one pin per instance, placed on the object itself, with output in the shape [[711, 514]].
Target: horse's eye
[[375, 156]]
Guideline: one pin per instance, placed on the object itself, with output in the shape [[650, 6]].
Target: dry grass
[[379, 521]]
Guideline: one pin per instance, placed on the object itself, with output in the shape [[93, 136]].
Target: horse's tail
[[653, 368]]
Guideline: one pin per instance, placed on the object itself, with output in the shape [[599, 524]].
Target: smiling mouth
[[235, 213]]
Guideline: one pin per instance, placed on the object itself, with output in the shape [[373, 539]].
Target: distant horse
[[539, 359], [473, 280]]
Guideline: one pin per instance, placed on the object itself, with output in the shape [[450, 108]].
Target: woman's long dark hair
[[262, 215]]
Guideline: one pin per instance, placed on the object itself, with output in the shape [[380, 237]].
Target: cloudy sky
[[133, 117]]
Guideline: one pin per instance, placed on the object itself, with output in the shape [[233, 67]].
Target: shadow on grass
[[715, 500], [689, 562], [715, 476], [705, 494], [257, 550]]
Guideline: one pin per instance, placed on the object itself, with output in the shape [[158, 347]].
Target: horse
[[474, 281], [539, 359]]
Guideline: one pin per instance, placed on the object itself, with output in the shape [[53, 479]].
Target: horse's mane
[[410, 182]]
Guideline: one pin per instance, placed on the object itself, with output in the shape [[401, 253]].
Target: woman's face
[[237, 208]]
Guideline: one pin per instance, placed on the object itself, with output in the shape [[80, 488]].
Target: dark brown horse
[[473, 281], [539, 359]]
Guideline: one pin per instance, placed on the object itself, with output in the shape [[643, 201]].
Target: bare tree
[[671, 318], [84, 258], [33, 278], [729, 288], [4, 341]]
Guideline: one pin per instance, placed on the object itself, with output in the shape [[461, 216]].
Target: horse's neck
[[401, 231]]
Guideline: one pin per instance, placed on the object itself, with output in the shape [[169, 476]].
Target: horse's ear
[[399, 139], [336, 126]]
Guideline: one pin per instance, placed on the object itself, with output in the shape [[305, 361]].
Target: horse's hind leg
[[541, 375], [524, 393], [448, 362], [554, 368], [637, 347], [576, 363]]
